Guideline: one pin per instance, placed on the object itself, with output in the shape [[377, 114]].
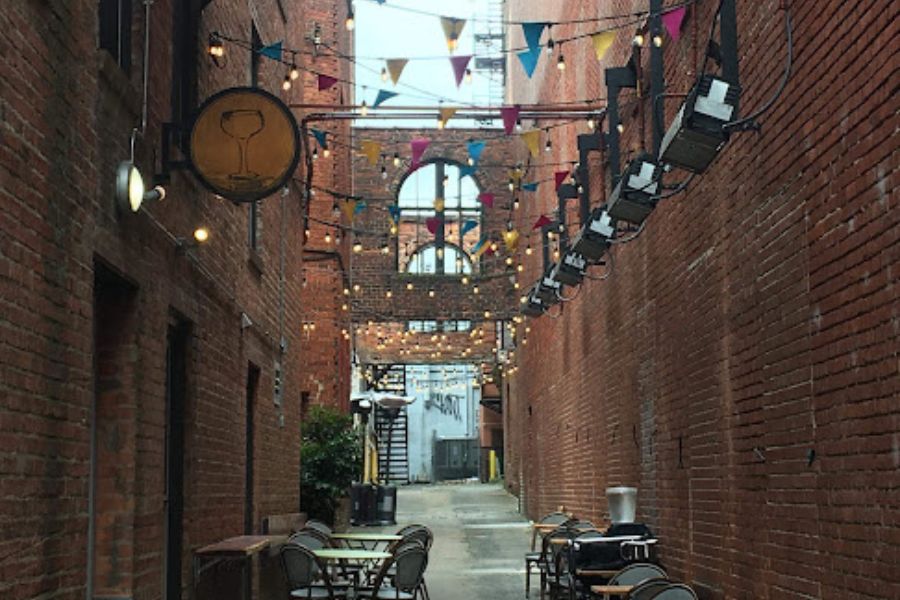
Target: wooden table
[[611, 590], [242, 548]]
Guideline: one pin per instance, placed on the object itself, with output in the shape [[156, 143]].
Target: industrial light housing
[[635, 196], [547, 290], [698, 134], [593, 239], [570, 268], [533, 307]]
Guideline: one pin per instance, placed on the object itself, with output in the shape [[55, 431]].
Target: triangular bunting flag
[[447, 114], [511, 239], [439, 204], [530, 187], [321, 137], [529, 59], [418, 146], [533, 32], [395, 67], [479, 248], [348, 207], [460, 64], [453, 27], [559, 177], [602, 42], [432, 224], [672, 21], [360, 206], [510, 115], [532, 140], [372, 151], [394, 211], [466, 171], [475, 150], [382, 97], [272, 51], [486, 199], [541, 221], [326, 81], [467, 227]]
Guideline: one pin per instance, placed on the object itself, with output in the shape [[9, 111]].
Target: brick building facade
[[740, 366], [133, 366]]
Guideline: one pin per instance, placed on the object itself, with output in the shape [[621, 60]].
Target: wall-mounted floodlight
[[533, 307], [593, 239], [697, 134], [570, 268], [633, 199], [547, 290], [130, 190]]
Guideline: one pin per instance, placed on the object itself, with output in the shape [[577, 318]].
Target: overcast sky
[[387, 31]]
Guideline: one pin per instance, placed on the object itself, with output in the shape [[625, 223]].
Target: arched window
[[438, 185]]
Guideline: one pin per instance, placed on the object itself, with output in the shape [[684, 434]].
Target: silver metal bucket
[[622, 504]]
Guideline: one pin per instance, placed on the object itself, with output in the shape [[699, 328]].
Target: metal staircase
[[391, 427]]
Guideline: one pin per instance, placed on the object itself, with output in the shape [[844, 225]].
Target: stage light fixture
[[634, 197], [697, 134], [593, 239]]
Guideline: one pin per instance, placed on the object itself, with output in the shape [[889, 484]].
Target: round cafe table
[[366, 537], [350, 554]]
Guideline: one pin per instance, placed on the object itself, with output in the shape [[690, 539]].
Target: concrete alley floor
[[479, 539]]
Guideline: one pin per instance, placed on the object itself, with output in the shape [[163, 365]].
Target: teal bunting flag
[[360, 206], [530, 187], [466, 171], [529, 59], [467, 227], [479, 245], [321, 137], [475, 150], [533, 32], [382, 97], [395, 213], [272, 51]]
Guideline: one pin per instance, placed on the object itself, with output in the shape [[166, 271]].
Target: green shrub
[[330, 460]]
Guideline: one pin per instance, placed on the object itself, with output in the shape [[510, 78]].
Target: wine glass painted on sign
[[242, 125]]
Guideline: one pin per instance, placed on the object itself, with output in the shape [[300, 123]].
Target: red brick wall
[[754, 320], [376, 272], [67, 114]]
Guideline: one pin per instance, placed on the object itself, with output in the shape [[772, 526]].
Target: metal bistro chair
[[648, 589], [408, 566], [638, 573], [301, 569], [554, 563], [533, 558], [674, 591]]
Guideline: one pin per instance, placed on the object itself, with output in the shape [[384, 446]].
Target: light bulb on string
[[620, 128], [512, 185], [528, 250], [357, 247], [518, 124], [468, 75], [384, 74], [315, 154], [364, 108], [396, 159], [561, 61], [550, 46], [638, 40], [326, 152], [384, 173], [294, 72], [350, 22], [215, 49], [657, 41], [548, 146], [592, 123], [515, 204], [327, 237]]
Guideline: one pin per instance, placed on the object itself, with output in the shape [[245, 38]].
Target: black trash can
[[363, 497], [387, 505]]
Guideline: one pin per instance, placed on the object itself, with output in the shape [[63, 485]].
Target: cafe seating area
[[577, 560], [318, 563]]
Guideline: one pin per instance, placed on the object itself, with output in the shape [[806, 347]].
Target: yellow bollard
[[492, 465]]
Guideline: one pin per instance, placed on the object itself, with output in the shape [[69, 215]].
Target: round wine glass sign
[[245, 144]]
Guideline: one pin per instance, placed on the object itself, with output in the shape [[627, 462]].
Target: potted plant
[[330, 459]]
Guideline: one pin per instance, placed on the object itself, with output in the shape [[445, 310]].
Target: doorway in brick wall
[[176, 396], [252, 385]]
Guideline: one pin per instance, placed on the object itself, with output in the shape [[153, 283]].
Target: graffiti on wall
[[446, 404]]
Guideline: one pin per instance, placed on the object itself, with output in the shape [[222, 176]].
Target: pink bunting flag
[[418, 149], [487, 199], [460, 64], [541, 221], [559, 177], [672, 21], [326, 81], [510, 115], [432, 224]]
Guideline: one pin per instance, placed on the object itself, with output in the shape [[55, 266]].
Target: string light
[[561, 61], [515, 203], [548, 146], [638, 40], [431, 293], [520, 267], [657, 41], [384, 74], [475, 289], [468, 75], [286, 84], [396, 159], [512, 185], [471, 161], [364, 108], [326, 152], [620, 128], [550, 45], [465, 280], [383, 172], [357, 246], [528, 250], [393, 230], [592, 123], [509, 261], [409, 286], [315, 154], [350, 23], [440, 123], [518, 124], [327, 238], [386, 249], [439, 252]]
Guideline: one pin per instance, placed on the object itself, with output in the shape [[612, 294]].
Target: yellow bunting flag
[[515, 175], [348, 207], [395, 67], [602, 42], [447, 114], [452, 30], [532, 139], [439, 204], [511, 239], [372, 151]]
